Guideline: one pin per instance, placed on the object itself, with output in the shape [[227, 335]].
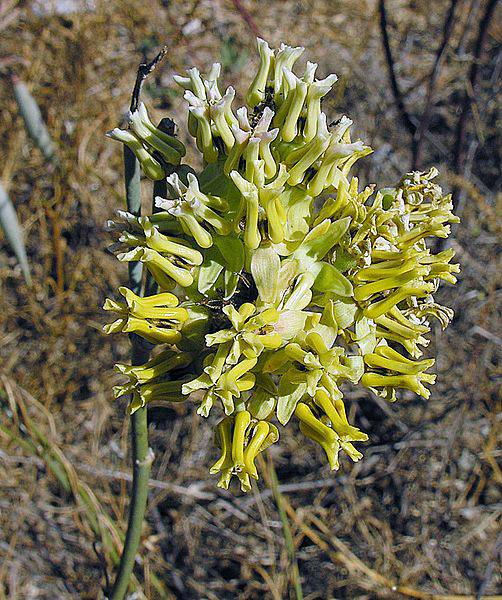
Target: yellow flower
[[288, 281], [241, 439], [156, 318]]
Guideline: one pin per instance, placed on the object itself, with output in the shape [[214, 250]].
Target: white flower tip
[[263, 46], [329, 80], [229, 93], [173, 179], [184, 82], [198, 111], [242, 118], [161, 202], [291, 78], [192, 99], [239, 135], [193, 72]]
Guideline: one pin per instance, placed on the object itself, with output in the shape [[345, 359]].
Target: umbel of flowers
[[278, 280]]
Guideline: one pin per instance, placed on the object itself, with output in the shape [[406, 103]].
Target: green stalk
[[141, 455], [159, 189]]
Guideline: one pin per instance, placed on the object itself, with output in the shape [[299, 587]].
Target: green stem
[[141, 454], [141, 474], [159, 189], [132, 181]]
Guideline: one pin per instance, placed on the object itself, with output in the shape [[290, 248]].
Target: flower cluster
[[277, 281]]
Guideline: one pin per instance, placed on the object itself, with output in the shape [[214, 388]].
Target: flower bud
[[315, 92], [151, 167], [256, 91], [154, 138]]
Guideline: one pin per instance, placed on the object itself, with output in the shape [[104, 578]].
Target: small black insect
[[268, 101]]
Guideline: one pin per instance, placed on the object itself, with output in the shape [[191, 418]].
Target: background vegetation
[[419, 516]]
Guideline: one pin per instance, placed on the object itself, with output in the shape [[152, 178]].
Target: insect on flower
[[278, 280]]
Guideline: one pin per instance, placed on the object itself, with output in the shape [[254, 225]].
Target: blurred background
[[419, 516]]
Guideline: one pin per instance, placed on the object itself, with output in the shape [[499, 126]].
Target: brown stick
[[473, 11], [398, 96], [247, 18], [459, 153], [144, 70], [423, 126]]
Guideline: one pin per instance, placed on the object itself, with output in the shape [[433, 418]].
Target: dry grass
[[419, 516]]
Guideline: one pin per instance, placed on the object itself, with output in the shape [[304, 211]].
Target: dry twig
[[418, 138]]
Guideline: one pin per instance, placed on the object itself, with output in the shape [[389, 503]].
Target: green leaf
[[213, 181], [343, 260], [261, 404], [13, 233], [289, 395], [320, 240], [265, 265], [210, 269], [314, 248], [388, 197], [329, 279], [231, 283], [232, 250], [297, 204], [340, 310]]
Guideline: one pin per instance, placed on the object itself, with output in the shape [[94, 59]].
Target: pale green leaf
[[289, 395], [356, 367], [265, 265], [290, 323], [210, 269], [329, 279], [344, 311], [261, 404]]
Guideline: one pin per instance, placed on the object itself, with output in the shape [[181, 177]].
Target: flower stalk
[[141, 454]]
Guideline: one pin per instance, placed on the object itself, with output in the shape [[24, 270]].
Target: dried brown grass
[[420, 515]]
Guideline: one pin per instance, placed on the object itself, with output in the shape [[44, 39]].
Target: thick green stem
[[141, 474], [159, 189], [141, 455], [132, 181]]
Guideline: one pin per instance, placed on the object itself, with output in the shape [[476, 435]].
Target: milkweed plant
[[277, 281]]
